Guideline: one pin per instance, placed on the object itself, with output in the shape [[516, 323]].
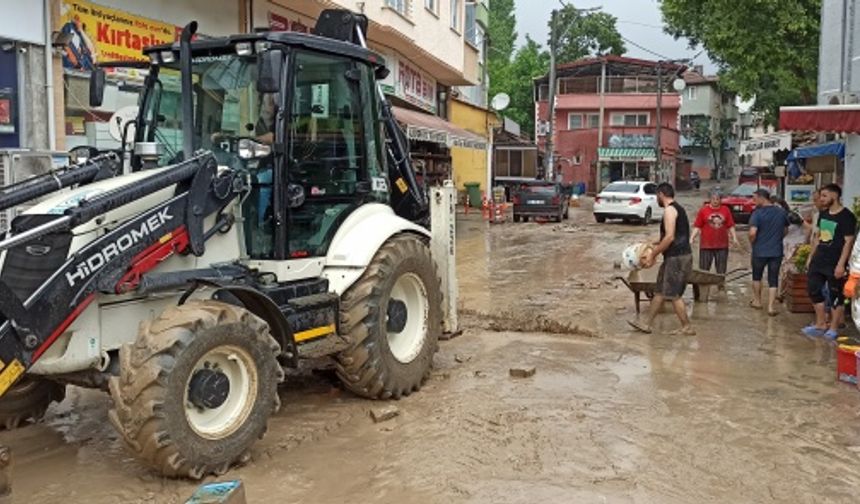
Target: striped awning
[[423, 127], [626, 154]]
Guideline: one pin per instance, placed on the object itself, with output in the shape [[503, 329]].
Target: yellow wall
[[469, 165]]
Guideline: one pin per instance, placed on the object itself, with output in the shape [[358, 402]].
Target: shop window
[[516, 163], [574, 121], [503, 164]]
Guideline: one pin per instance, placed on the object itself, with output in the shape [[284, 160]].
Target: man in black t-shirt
[[828, 261]]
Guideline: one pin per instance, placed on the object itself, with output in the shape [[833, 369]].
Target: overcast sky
[[639, 21]]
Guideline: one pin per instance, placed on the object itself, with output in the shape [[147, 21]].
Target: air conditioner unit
[[842, 98]]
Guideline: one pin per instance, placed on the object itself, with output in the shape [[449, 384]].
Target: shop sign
[[427, 135], [415, 86], [282, 23], [7, 111], [631, 141], [408, 83], [766, 144], [100, 34]]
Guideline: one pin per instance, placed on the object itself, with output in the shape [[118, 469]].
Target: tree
[[582, 34], [767, 49], [530, 61], [502, 38]]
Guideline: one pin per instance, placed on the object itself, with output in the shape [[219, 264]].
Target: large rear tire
[[28, 400], [393, 316], [172, 406]]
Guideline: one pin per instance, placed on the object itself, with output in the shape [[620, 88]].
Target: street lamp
[[549, 160]]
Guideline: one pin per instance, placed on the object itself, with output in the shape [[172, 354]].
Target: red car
[[740, 201]]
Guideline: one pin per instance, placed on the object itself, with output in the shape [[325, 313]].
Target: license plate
[[739, 208], [534, 202]]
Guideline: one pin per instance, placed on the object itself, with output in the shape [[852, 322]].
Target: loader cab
[[300, 121]]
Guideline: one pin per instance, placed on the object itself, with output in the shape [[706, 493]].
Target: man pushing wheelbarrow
[[677, 264]]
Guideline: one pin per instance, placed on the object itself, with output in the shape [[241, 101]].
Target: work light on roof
[[244, 49]]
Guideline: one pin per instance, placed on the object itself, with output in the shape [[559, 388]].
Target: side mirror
[[98, 81], [269, 66]]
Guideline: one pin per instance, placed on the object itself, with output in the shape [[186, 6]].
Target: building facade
[[709, 126], [606, 120], [25, 75]]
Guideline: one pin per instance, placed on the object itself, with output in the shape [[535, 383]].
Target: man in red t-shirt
[[716, 226]]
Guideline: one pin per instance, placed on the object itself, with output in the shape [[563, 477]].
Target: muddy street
[[746, 411]]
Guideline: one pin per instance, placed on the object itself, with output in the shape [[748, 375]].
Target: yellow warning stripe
[[316, 332], [10, 375]]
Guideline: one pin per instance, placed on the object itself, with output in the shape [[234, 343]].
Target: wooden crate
[[796, 297]]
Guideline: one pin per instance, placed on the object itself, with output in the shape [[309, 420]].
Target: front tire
[[600, 218], [28, 400], [172, 405], [393, 316]]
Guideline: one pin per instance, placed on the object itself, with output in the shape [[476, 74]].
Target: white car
[[628, 201]]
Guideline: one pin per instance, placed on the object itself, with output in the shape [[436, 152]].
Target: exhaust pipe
[[185, 63]]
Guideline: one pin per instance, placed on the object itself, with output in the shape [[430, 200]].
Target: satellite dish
[[500, 102], [679, 85], [117, 122]]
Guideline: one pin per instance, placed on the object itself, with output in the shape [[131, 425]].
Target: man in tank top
[[677, 265]]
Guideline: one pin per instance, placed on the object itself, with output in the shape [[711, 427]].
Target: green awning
[[626, 154]]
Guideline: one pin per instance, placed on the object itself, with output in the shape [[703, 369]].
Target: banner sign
[[100, 34], [766, 144]]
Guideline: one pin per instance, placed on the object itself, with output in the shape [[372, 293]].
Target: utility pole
[[549, 160], [658, 141]]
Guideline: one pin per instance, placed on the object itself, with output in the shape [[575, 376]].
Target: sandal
[[638, 326], [773, 313], [755, 306]]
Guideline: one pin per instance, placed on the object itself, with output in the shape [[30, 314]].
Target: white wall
[[22, 20]]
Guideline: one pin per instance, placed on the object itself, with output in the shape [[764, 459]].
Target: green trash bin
[[473, 189]]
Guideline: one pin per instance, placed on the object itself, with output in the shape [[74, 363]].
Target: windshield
[[745, 190], [539, 189], [622, 188], [226, 104]]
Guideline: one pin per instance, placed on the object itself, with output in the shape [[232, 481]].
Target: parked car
[[629, 201], [757, 175], [541, 200], [740, 200]]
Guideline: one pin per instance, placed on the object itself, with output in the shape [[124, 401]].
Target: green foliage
[[767, 49], [513, 71], [582, 34]]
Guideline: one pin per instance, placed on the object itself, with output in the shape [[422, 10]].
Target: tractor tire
[[393, 317], [171, 404], [28, 400]]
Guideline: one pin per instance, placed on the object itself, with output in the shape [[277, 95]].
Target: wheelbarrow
[[644, 282]]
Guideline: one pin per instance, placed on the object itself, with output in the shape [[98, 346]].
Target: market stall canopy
[[813, 151], [625, 154], [823, 118], [423, 127]]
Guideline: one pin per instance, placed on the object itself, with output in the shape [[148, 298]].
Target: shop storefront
[[431, 140], [620, 163], [812, 167], [98, 34]]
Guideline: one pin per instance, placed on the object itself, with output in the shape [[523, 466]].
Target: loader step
[[313, 320]]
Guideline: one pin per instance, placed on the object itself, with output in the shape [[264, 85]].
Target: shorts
[[673, 275], [816, 282], [773, 264], [709, 257]]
